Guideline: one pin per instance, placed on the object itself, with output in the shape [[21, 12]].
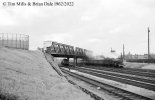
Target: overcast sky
[[96, 25]]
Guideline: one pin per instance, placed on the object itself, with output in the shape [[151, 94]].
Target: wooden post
[[74, 61], [68, 59], [28, 42], [123, 53], [16, 41], [148, 43]]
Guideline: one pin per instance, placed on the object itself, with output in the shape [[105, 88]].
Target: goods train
[[116, 63], [61, 50]]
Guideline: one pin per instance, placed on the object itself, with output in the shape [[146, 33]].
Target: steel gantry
[[62, 50]]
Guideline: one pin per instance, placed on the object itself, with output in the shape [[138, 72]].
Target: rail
[[120, 93]]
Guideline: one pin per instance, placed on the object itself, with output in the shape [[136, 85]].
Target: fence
[[19, 41]]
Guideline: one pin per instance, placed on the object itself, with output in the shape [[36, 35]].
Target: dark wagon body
[[106, 62], [117, 63]]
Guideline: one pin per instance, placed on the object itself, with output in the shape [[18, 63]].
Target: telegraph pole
[[123, 53], [148, 43]]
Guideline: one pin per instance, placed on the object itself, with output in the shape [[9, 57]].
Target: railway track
[[130, 76], [127, 79], [120, 93], [139, 72]]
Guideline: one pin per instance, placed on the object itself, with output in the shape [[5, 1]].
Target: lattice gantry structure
[[63, 50], [60, 50]]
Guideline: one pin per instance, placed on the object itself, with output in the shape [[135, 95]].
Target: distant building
[[152, 55], [137, 56], [47, 44]]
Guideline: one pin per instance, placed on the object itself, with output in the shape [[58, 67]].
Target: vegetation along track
[[121, 94], [127, 79], [139, 72]]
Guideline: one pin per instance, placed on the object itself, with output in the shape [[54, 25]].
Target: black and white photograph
[[77, 49]]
